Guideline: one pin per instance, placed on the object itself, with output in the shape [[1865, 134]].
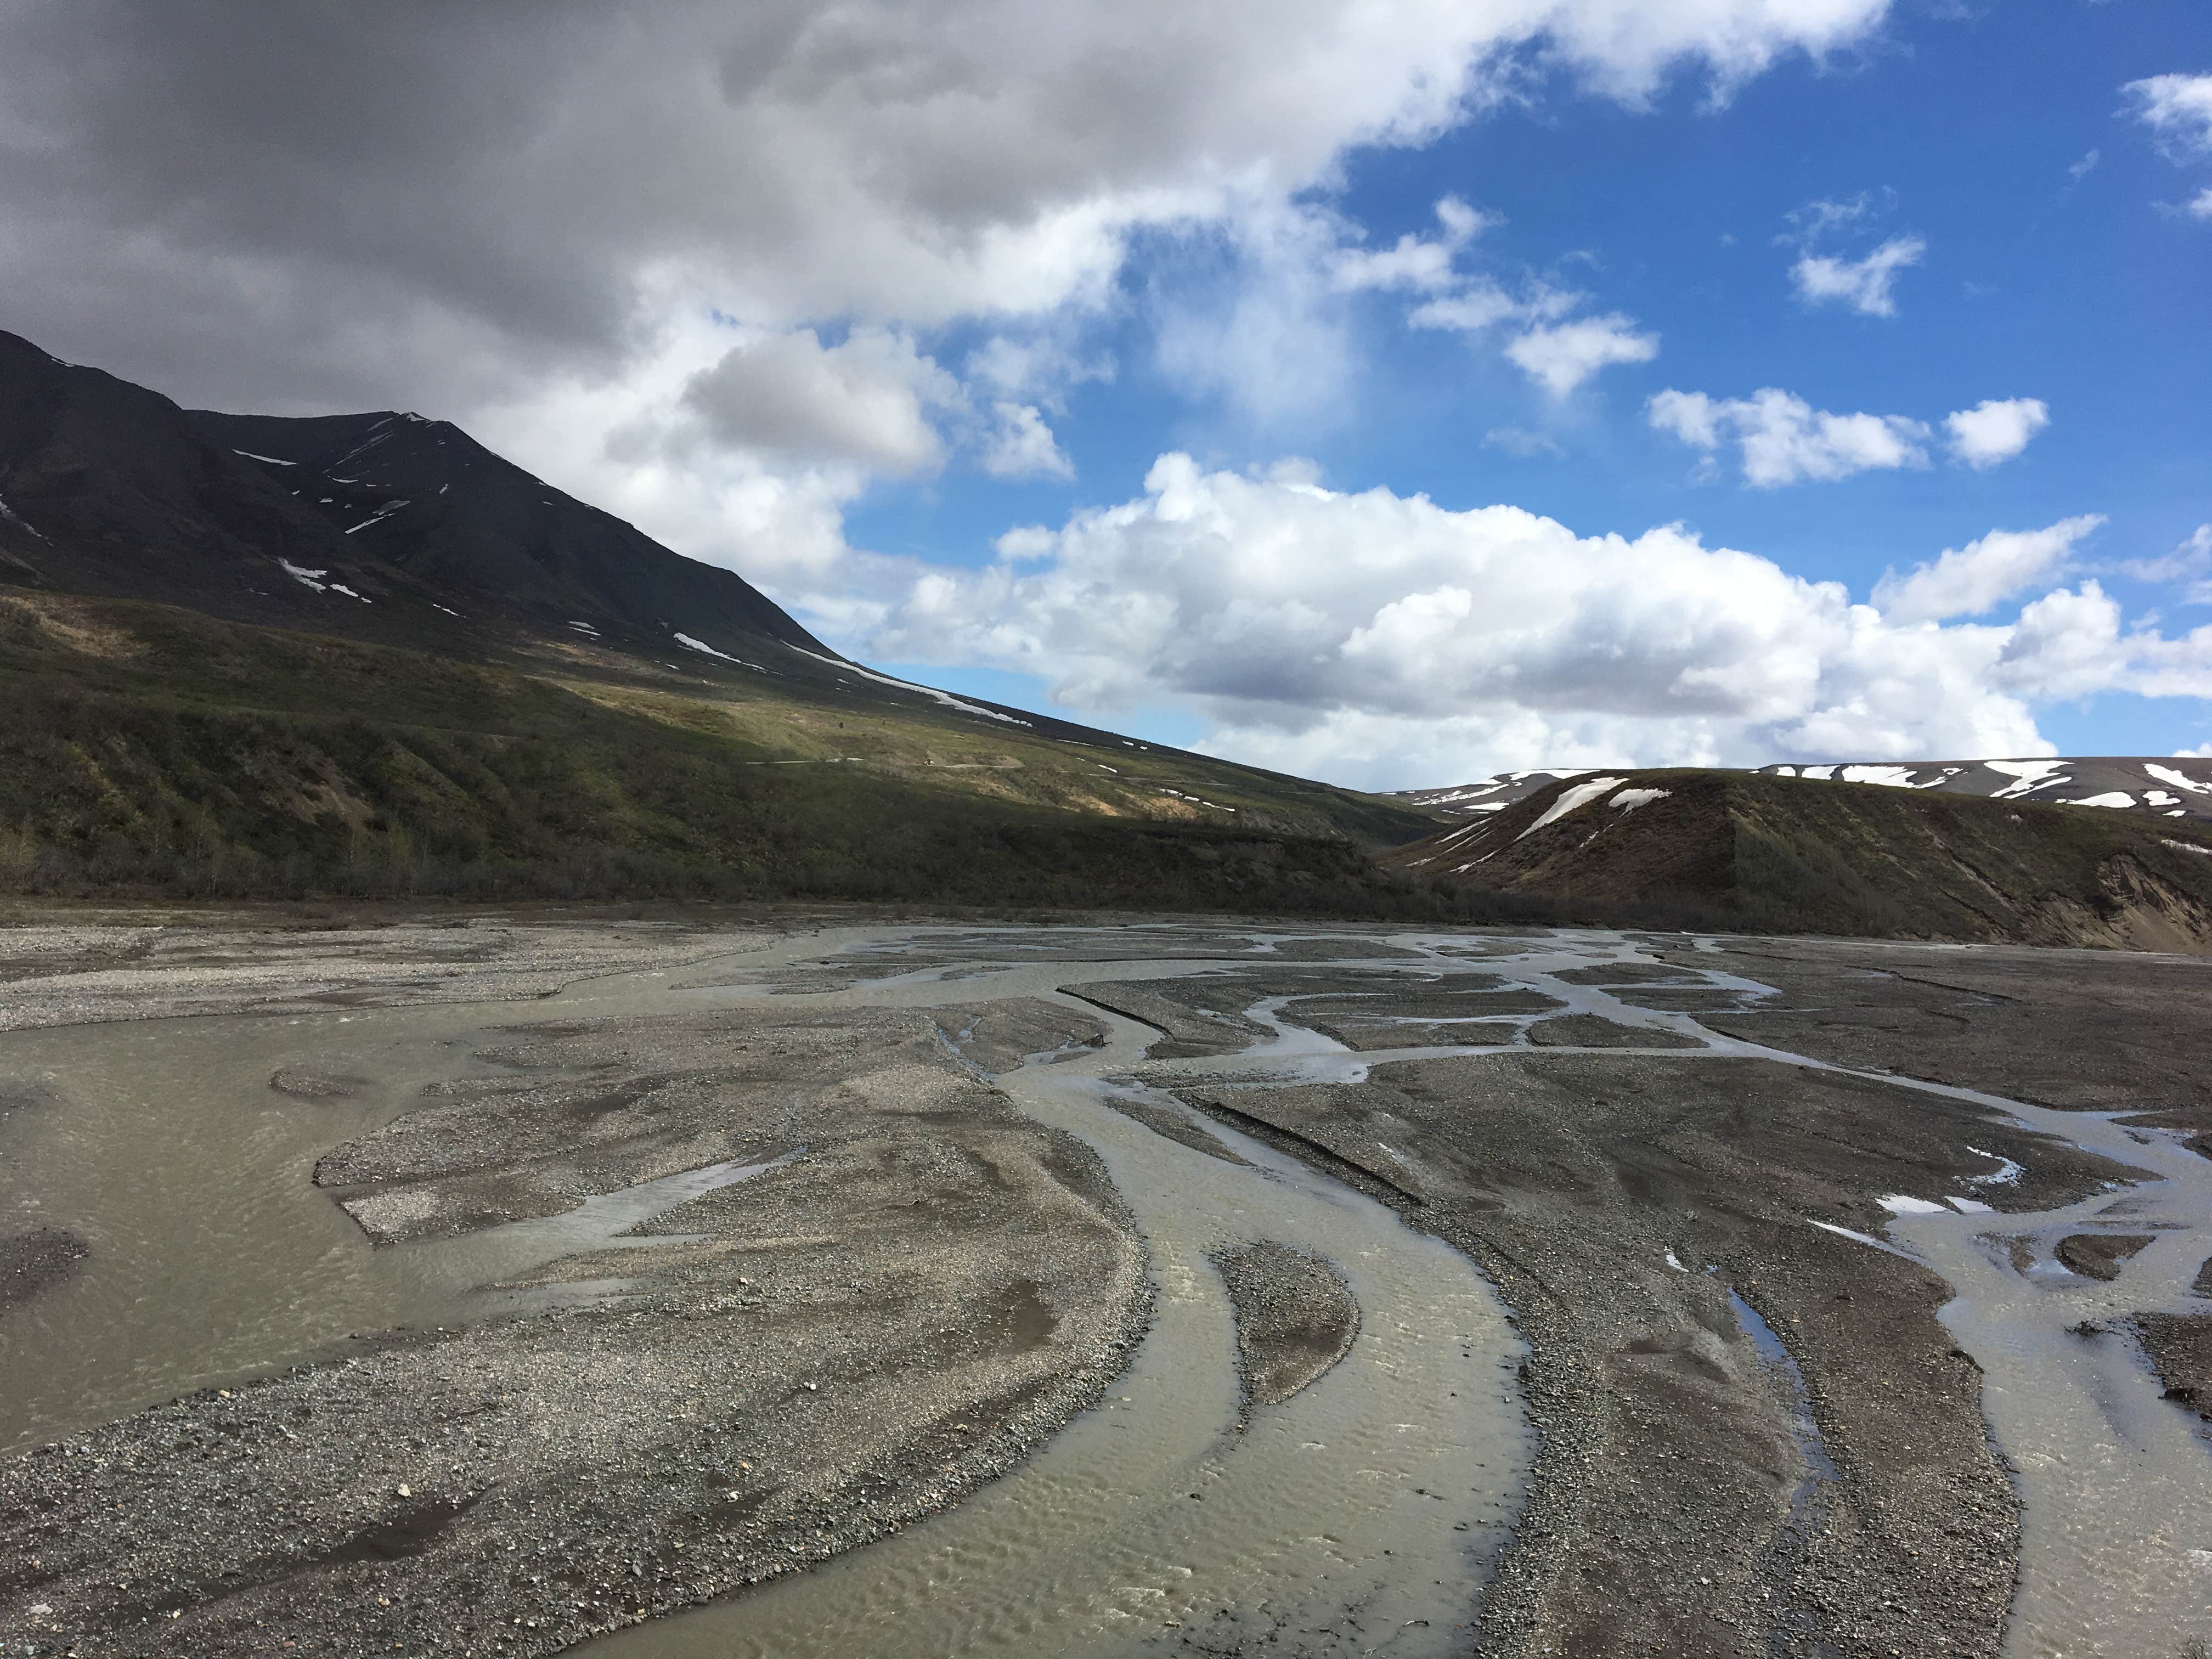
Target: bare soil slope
[[1748, 852]]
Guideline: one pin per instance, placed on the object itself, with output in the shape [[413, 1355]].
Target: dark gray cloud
[[303, 205]]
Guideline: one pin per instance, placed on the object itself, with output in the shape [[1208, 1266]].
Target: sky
[[1390, 391]]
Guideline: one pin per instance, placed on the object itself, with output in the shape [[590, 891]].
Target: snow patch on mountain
[[379, 516], [2178, 780], [1579, 794], [944, 697], [16, 519], [2027, 775], [705, 649]]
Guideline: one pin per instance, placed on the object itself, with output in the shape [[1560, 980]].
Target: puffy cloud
[[633, 446], [1562, 356], [866, 400], [2178, 108], [1423, 264], [2066, 644], [1623, 46], [1786, 441], [1993, 430], [1022, 446], [1384, 641], [1250, 316], [1864, 285], [1970, 580]]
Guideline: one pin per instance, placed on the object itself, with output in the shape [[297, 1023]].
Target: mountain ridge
[[319, 520], [364, 653], [391, 527], [1751, 852], [2168, 786]]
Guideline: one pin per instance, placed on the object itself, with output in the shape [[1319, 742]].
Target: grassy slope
[[1782, 854], [143, 747]]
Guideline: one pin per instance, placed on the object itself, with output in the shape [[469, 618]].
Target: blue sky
[[1395, 394], [2055, 268]]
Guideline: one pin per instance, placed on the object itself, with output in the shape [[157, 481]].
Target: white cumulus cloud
[[1422, 263], [1021, 445], [1562, 355], [1864, 285], [1994, 430], [1972, 580], [1384, 641], [2178, 108], [1785, 440]]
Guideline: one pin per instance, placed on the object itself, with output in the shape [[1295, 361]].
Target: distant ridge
[[1755, 851], [2177, 787]]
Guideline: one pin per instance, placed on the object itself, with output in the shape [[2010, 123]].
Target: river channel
[[1365, 1513]]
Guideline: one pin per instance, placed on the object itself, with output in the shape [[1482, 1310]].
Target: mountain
[[2162, 786], [428, 500], [2173, 786], [362, 653], [384, 526], [1758, 851]]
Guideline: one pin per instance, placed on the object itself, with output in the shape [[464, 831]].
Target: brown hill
[[1750, 851]]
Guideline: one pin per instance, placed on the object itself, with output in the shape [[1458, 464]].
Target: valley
[[1368, 831]]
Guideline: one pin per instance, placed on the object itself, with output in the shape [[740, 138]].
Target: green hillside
[[144, 748]]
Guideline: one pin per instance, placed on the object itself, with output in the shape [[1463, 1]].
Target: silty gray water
[[1399, 1479], [2117, 1483], [2116, 1533], [1380, 1493]]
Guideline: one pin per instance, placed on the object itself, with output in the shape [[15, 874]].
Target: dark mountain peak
[[386, 525], [394, 445], [425, 496]]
